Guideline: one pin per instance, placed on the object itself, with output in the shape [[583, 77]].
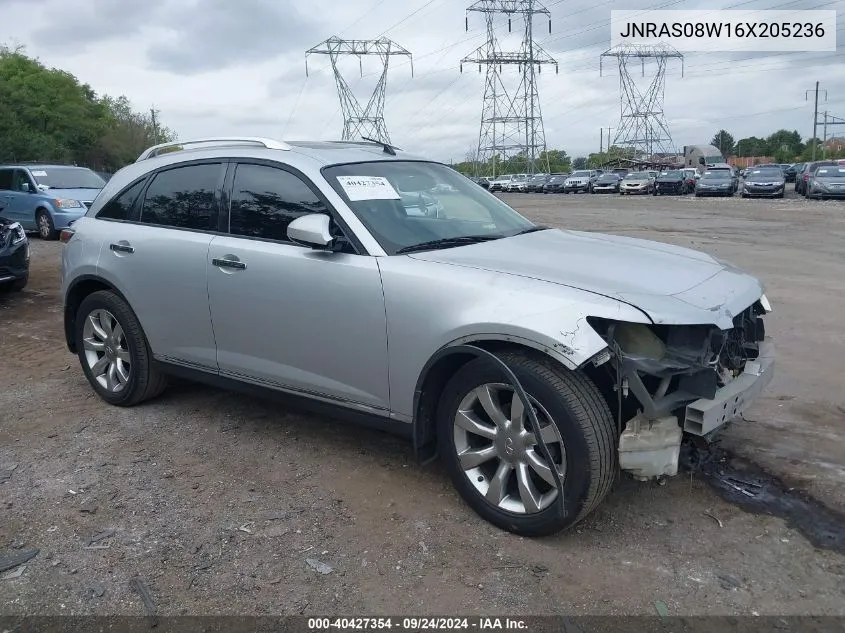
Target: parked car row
[[818, 180]]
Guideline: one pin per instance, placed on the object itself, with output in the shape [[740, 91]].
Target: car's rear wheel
[[492, 456], [46, 229], [113, 351]]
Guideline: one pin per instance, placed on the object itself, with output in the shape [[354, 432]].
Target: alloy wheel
[[44, 225], [106, 350], [498, 452]]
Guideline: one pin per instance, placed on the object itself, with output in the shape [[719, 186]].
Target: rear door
[[287, 316], [157, 256]]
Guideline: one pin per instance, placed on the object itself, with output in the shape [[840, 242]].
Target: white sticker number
[[367, 188], [39, 173]]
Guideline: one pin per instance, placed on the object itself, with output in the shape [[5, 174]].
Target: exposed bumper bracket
[[705, 415]]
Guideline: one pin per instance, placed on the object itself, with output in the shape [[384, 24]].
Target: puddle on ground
[[756, 491]]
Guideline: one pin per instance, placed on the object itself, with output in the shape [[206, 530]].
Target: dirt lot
[[216, 501]]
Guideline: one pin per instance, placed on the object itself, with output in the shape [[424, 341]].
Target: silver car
[[535, 362]]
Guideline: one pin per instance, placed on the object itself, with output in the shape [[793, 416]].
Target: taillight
[[806, 177], [65, 235]]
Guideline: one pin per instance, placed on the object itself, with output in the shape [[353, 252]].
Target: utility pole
[[815, 115], [824, 137], [153, 113], [601, 140]]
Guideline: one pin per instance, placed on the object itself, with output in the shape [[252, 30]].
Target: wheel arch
[[82, 287], [440, 368]]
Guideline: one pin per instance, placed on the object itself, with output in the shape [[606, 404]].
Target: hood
[[668, 283], [83, 195]]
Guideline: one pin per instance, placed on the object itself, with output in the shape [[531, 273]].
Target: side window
[[6, 179], [21, 181], [118, 208], [183, 197], [266, 199]]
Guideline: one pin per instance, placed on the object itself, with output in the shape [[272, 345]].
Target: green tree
[[752, 146], [579, 163], [785, 145], [724, 141], [46, 114]]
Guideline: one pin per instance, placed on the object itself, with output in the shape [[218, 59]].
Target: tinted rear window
[[183, 197]]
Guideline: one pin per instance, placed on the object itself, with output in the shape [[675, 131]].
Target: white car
[[500, 183]]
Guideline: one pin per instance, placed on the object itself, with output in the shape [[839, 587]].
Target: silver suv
[[319, 272]]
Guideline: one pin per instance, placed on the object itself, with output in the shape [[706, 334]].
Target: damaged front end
[[667, 380]]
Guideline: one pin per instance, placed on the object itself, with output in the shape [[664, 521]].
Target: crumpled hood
[[669, 283]]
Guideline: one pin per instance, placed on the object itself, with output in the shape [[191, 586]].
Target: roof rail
[[267, 143]]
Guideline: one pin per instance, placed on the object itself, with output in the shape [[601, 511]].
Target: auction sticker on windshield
[[367, 188], [39, 173]]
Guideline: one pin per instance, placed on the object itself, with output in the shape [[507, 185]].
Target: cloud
[[76, 25], [209, 35], [224, 68]]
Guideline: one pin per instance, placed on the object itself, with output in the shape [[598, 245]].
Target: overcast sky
[[227, 67]]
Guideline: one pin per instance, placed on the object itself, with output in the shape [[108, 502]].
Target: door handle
[[228, 263], [122, 247]]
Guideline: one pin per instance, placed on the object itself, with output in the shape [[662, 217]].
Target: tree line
[[784, 146], [47, 115]]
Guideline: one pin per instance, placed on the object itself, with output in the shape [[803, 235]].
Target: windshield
[[643, 175], [608, 178], [401, 204], [539, 179], [765, 173], [68, 178], [673, 175], [580, 174], [830, 172], [713, 159], [716, 175]]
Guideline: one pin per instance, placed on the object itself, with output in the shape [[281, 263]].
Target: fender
[[422, 426], [70, 306]]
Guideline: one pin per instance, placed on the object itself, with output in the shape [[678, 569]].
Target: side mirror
[[25, 187], [701, 160], [310, 230]]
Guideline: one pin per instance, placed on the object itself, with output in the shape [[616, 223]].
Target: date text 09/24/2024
[[415, 623]]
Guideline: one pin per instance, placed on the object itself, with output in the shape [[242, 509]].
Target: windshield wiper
[[534, 229], [448, 242]]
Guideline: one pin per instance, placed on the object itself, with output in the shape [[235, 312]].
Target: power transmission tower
[[511, 126], [642, 126], [369, 121]]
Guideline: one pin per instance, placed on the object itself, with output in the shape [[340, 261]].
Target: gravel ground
[[223, 504]]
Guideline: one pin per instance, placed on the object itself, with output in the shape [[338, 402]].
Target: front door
[[290, 317]]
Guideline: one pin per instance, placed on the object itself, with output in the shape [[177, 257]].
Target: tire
[[744, 195], [46, 228], [143, 381], [782, 194], [583, 422]]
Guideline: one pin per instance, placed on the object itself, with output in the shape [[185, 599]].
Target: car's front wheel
[[113, 351], [46, 229], [492, 455]]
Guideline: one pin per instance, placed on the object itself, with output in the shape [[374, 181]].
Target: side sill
[[336, 410]]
